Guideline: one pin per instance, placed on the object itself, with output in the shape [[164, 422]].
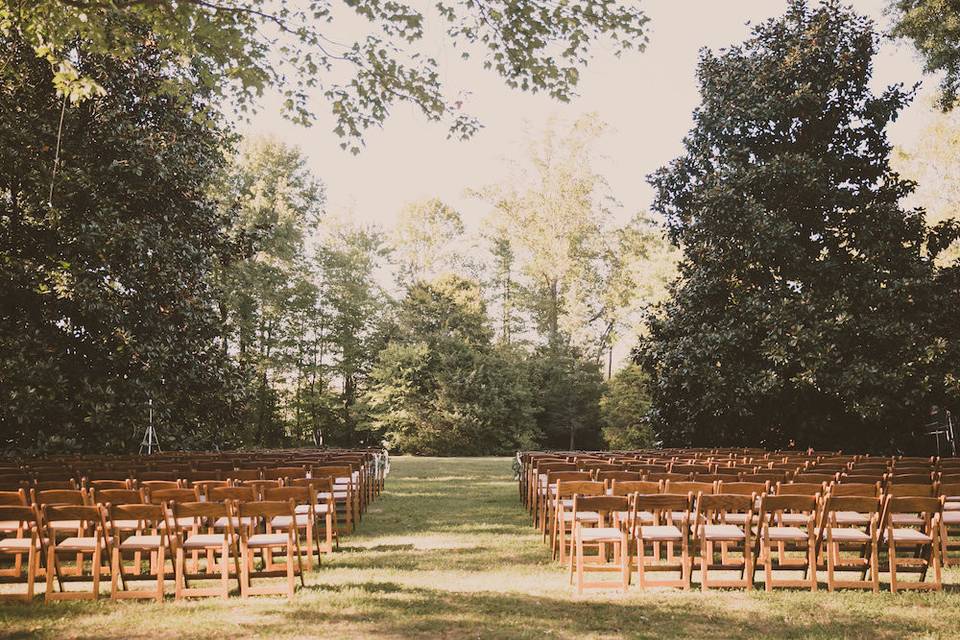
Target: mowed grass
[[448, 552]]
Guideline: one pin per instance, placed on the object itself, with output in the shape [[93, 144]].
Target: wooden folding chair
[[950, 530], [324, 509], [62, 528], [300, 521], [840, 532], [149, 536], [26, 541], [603, 533], [713, 526], [564, 517], [268, 544], [198, 537], [88, 518], [665, 528], [775, 534], [344, 491], [922, 541], [547, 515]]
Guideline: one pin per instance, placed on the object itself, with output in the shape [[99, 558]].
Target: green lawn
[[448, 552]]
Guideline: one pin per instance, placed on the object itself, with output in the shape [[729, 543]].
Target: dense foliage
[[108, 242], [808, 307], [624, 410], [362, 57], [441, 386], [933, 26]]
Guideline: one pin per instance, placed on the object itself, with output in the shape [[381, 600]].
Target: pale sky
[[646, 98]]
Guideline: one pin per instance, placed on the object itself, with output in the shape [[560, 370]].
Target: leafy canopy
[[362, 56], [933, 26], [107, 293], [807, 310]]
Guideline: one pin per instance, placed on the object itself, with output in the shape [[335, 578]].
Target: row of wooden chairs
[[353, 487], [44, 521], [539, 476], [737, 533], [229, 528]]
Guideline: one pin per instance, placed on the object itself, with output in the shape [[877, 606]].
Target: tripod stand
[[150, 441]]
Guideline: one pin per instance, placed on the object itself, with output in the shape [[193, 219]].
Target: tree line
[[148, 255], [163, 260]]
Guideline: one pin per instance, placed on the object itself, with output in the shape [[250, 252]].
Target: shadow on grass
[[398, 610]]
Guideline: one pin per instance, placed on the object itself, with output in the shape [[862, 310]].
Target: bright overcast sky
[[645, 98]]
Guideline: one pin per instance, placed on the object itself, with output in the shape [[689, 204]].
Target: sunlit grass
[[447, 552]]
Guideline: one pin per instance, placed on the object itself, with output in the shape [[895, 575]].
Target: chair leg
[[625, 562], [245, 560], [831, 564], [225, 570], [115, 569], [768, 566], [161, 571], [178, 574], [31, 570], [892, 562], [51, 567], [291, 583], [579, 544]]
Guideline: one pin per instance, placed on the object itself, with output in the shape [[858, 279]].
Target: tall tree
[[624, 410], [933, 26], [441, 387], [269, 296], [426, 240], [361, 69], [573, 259], [108, 244], [357, 313], [805, 309]]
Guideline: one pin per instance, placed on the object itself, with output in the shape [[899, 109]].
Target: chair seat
[[268, 540], [910, 535], [204, 541], [181, 522], [600, 534], [141, 542], [849, 534], [783, 534], [952, 504], [581, 516], [246, 521], [63, 524], [16, 544], [78, 544], [739, 519], [852, 517], [9, 525], [906, 518], [126, 525], [794, 519], [318, 508], [645, 517], [723, 532], [951, 517], [660, 532], [283, 522]]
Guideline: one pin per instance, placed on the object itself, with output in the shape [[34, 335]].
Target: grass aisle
[[447, 552]]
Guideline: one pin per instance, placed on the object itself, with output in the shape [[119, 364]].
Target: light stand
[[150, 441]]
